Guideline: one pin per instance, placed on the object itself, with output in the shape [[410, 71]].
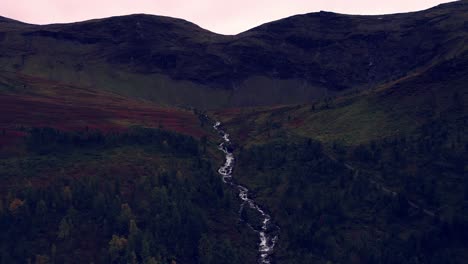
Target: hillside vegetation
[[141, 196], [350, 132], [294, 60]]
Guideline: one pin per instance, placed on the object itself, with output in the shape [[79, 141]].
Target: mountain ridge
[[294, 60], [321, 12]]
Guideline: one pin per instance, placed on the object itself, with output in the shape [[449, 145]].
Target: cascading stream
[[268, 233]]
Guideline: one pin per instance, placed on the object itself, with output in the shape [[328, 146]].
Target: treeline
[[164, 219], [292, 177], [331, 213], [429, 170], [173, 211], [47, 140], [428, 166]]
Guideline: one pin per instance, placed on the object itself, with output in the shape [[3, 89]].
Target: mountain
[[343, 140], [398, 108], [372, 176], [294, 60]]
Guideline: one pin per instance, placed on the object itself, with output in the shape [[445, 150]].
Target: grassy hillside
[[399, 108], [34, 102]]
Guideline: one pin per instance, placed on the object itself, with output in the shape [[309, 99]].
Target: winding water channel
[[268, 232]]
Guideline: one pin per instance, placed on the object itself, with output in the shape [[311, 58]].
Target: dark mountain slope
[[359, 50], [436, 95], [297, 59]]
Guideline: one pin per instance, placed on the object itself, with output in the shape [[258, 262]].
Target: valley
[[317, 138]]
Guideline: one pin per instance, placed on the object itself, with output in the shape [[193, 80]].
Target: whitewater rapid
[[268, 233]]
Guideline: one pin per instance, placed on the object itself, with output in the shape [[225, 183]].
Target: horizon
[[233, 18]]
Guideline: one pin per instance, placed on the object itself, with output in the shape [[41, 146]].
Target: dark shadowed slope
[[438, 94], [293, 60]]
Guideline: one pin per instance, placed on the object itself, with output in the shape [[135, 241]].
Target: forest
[[140, 196], [148, 195], [397, 200]]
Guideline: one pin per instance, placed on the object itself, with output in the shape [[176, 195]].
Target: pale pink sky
[[226, 17]]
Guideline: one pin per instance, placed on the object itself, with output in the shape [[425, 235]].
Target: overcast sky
[[220, 16]]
